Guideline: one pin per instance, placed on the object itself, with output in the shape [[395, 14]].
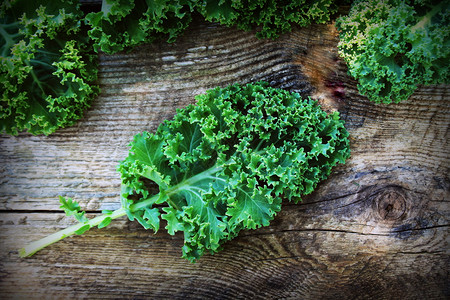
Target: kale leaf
[[226, 163], [123, 24], [223, 165], [47, 70], [392, 46]]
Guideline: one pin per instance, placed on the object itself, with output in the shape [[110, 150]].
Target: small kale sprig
[[72, 208], [392, 46], [47, 68], [221, 166]]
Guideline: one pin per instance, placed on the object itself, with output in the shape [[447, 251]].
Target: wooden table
[[377, 228]]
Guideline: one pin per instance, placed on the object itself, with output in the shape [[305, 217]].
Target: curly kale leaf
[[392, 46], [123, 24], [221, 166], [46, 67], [269, 17], [226, 163]]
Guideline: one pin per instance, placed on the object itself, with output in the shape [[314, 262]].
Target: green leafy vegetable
[[391, 46], [123, 24], [46, 68], [223, 165], [269, 17]]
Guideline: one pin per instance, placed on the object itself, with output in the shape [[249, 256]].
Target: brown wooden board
[[377, 228]]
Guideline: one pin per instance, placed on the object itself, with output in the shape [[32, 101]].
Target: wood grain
[[377, 228]]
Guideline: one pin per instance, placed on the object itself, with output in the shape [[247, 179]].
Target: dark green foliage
[[46, 68], [123, 24], [392, 46], [226, 163], [269, 17]]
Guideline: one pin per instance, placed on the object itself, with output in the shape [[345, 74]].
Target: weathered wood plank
[[377, 228]]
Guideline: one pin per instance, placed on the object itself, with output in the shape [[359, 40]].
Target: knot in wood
[[390, 205]]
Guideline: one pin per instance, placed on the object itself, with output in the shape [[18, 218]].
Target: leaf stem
[[9, 40], [34, 247], [426, 19]]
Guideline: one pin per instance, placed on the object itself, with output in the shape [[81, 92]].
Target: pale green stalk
[[34, 247]]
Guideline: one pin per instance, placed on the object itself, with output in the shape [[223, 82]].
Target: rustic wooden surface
[[377, 228]]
